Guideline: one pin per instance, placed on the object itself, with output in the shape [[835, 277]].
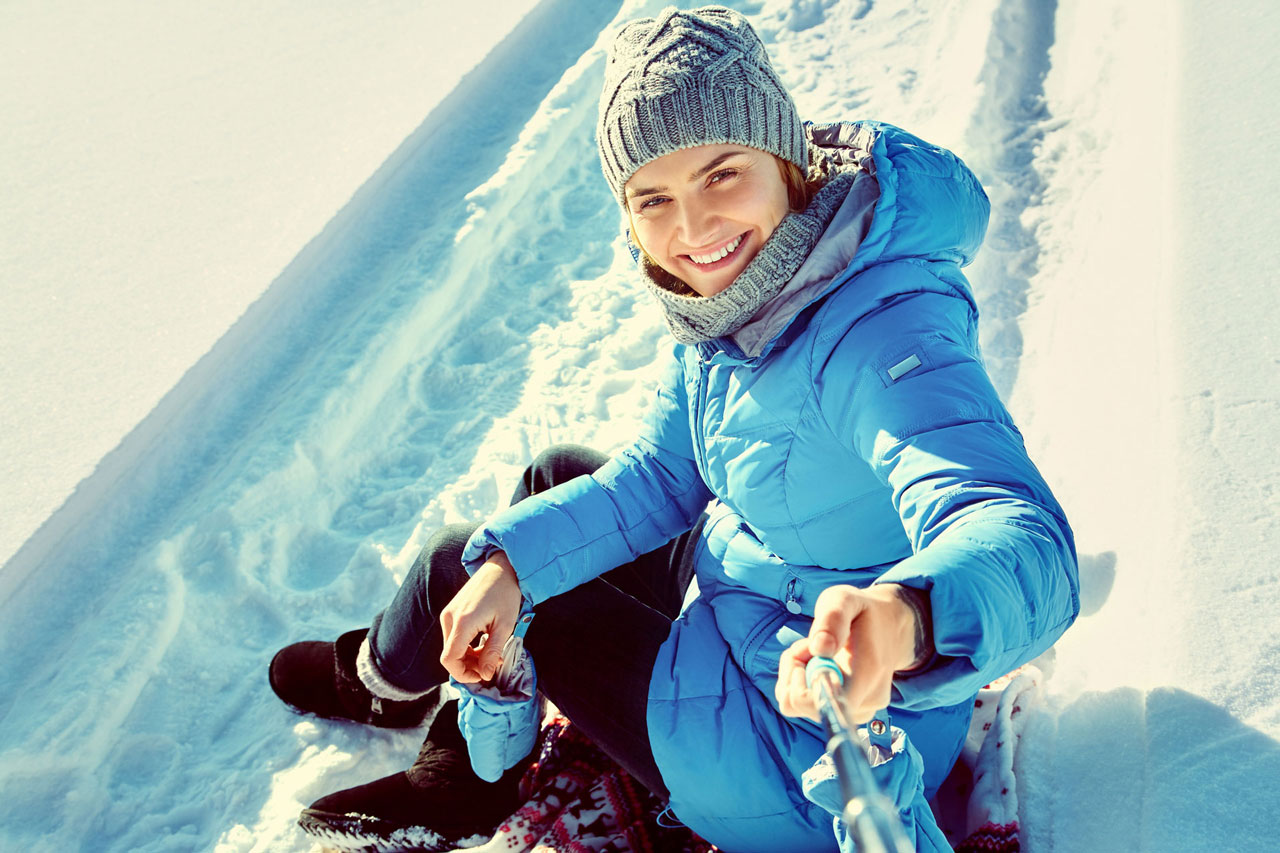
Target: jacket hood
[[931, 206], [912, 200]]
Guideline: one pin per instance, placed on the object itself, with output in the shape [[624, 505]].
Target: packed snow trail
[[474, 304], [250, 506]]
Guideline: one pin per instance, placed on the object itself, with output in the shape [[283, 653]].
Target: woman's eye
[[723, 175], [650, 203]]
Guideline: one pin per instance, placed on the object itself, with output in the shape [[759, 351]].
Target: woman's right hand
[[486, 607]]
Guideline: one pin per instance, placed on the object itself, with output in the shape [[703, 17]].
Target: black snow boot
[[320, 678], [437, 804]]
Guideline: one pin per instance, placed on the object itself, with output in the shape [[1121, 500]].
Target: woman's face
[[703, 213]]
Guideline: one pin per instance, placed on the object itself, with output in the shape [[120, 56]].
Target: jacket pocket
[[760, 667]]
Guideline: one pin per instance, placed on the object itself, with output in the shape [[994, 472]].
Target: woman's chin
[[711, 283], [710, 288]]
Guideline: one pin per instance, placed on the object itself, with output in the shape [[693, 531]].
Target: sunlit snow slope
[[473, 304], [160, 164]]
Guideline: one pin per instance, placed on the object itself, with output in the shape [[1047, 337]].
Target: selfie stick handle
[[870, 816]]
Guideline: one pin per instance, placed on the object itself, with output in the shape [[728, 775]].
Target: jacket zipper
[[793, 601], [700, 445]]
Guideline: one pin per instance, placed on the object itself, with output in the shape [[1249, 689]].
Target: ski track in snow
[[473, 305], [1008, 125], [363, 384]]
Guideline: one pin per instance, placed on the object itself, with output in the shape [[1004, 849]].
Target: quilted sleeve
[[643, 497], [906, 388]]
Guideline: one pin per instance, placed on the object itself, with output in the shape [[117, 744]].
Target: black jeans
[[594, 646]]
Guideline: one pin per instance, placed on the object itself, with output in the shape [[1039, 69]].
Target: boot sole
[[354, 833], [398, 725]]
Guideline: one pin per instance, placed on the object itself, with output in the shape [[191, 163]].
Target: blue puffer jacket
[[861, 443]]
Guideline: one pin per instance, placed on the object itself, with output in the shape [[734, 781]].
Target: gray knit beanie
[[684, 79]]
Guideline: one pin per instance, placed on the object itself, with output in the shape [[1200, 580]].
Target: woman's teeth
[[715, 256]]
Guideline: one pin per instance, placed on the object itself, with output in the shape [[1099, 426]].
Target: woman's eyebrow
[[693, 177]]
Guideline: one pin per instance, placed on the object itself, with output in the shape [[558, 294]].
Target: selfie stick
[[870, 816]]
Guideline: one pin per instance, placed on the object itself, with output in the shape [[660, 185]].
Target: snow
[[275, 306], [162, 165]]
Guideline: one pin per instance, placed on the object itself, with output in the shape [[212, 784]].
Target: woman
[[870, 498]]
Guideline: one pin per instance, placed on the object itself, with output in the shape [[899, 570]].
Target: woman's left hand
[[870, 632], [478, 620]]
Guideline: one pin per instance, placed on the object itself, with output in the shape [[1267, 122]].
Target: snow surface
[[471, 303], [163, 163]]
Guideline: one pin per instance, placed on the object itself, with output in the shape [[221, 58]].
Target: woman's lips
[[735, 247]]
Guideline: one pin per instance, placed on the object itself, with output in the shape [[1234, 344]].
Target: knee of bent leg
[[562, 462], [438, 571]]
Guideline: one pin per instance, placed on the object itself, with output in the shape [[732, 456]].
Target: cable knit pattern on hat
[[692, 78]]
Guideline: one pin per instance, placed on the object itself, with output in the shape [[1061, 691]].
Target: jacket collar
[[910, 200]]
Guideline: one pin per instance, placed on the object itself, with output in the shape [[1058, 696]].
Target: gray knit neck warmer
[[683, 79], [693, 318]]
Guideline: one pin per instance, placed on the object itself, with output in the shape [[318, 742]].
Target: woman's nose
[[698, 224]]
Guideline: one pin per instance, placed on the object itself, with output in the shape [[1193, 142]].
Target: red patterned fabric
[[580, 801], [990, 838], [977, 807]]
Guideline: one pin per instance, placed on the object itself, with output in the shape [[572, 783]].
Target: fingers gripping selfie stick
[[870, 815]]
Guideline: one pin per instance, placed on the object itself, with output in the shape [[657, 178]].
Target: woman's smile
[[720, 257]]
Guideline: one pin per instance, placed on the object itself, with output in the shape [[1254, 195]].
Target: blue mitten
[[901, 778], [501, 720]]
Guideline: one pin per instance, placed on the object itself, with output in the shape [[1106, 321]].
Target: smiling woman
[[824, 452], [701, 214]]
